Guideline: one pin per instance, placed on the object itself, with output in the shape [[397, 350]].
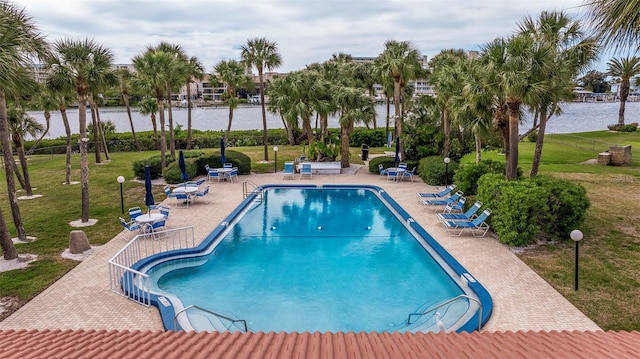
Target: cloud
[[306, 31]]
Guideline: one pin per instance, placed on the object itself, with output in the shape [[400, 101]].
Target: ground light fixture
[[576, 236], [275, 158], [121, 181], [446, 171]]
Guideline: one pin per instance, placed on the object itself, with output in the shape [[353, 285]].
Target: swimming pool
[[329, 258]]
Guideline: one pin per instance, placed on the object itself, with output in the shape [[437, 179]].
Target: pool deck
[[522, 299]]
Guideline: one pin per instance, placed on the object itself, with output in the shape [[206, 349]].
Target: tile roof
[[70, 344]]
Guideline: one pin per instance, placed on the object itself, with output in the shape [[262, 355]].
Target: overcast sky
[[306, 31]]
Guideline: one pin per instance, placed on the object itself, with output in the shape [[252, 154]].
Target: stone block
[[78, 242], [604, 158], [620, 155]]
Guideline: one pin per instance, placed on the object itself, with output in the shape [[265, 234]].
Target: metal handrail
[[175, 318], [246, 192], [447, 302]]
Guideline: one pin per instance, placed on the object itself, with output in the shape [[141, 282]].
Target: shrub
[[467, 176], [384, 160], [237, 159], [155, 165], [633, 127], [432, 170], [172, 174], [525, 209], [533, 136], [370, 137]]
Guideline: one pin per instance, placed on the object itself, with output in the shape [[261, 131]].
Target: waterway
[[576, 117]]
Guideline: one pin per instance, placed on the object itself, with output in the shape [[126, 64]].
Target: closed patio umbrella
[[222, 159], [148, 196], [184, 176]]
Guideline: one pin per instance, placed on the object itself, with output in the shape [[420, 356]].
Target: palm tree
[[124, 76], [355, 106], [263, 54], [615, 22], [194, 70], [46, 100], [570, 53], [149, 106], [446, 77], [20, 42], [231, 73], [625, 68], [154, 77], [82, 65], [281, 103], [399, 62], [21, 124]]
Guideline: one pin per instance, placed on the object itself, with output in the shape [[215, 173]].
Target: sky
[[306, 31]]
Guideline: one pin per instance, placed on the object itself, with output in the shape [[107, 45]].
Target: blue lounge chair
[[477, 226], [466, 216], [305, 170], [444, 193], [288, 170], [442, 202], [456, 206]]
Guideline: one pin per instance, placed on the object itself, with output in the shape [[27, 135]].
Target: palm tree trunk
[[226, 135], [290, 136], [306, 124], [17, 141], [189, 115], [264, 116], [101, 135], [67, 130], [478, 143], [163, 138], [47, 119], [8, 249], [537, 154], [172, 140], [125, 98], [84, 162], [16, 171], [344, 147], [155, 130], [397, 115], [96, 139], [513, 104], [446, 125], [11, 185]]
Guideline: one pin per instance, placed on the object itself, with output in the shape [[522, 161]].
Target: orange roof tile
[[71, 344]]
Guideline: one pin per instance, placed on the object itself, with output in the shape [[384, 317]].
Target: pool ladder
[[218, 315], [249, 188], [446, 303]]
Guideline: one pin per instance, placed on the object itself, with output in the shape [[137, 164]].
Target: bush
[[384, 160], [155, 164], [467, 176], [370, 137], [432, 170], [172, 174], [633, 127], [533, 136], [237, 159], [526, 209]]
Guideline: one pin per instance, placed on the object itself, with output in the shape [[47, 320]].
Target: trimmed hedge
[[527, 209], [389, 162], [432, 170], [467, 176]]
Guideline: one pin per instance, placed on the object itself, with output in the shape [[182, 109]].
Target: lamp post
[[576, 235], [275, 157], [446, 171], [121, 181]]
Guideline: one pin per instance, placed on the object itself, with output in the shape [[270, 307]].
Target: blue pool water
[[318, 259]]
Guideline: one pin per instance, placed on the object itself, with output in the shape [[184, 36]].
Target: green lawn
[[610, 251]]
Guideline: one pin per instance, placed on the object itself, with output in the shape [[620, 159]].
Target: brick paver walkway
[[522, 299]]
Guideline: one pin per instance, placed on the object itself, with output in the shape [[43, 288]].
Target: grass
[[609, 253]]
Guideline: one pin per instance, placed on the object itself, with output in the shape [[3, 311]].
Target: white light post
[[576, 236], [121, 181], [275, 162], [446, 171]]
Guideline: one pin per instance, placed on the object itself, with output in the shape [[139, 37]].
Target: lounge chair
[[442, 202], [477, 226], [305, 170], [444, 193], [456, 206], [466, 216], [288, 170]]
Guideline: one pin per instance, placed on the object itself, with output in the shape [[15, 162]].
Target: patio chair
[[477, 226], [155, 227], [233, 174], [402, 165], [442, 202], [445, 192], [409, 174], [466, 216], [203, 193], [305, 170], [164, 210], [134, 212], [212, 173], [392, 174], [200, 181], [167, 191], [381, 170], [288, 170], [456, 206], [227, 165], [182, 198], [130, 226]]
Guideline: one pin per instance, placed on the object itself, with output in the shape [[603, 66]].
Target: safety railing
[[248, 188], [446, 303], [133, 284], [217, 315]]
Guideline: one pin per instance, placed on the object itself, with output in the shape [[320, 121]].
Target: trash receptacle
[[365, 152]]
